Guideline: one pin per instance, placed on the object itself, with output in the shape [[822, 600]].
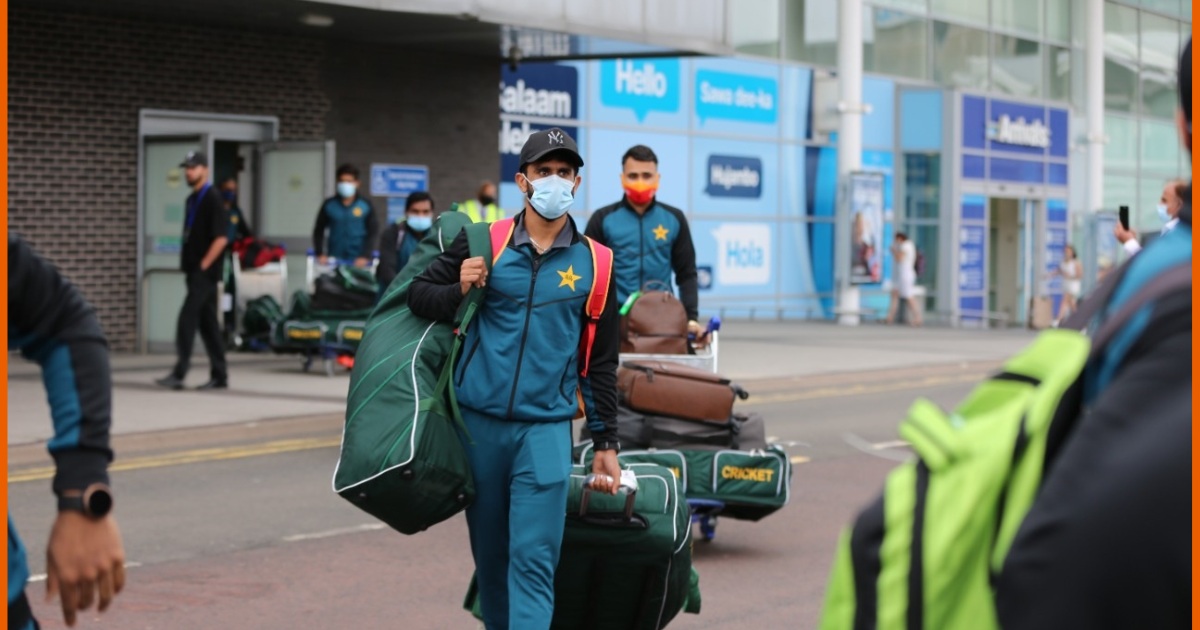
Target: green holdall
[[401, 458], [637, 555]]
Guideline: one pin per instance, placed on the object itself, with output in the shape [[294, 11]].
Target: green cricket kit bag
[[626, 560], [401, 458], [924, 554]]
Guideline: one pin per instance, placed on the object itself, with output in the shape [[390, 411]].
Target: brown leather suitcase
[[656, 324], [671, 389]]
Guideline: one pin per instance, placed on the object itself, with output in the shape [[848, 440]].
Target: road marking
[[882, 450], [800, 459], [191, 457], [855, 390], [287, 446], [367, 527], [893, 444], [41, 577]]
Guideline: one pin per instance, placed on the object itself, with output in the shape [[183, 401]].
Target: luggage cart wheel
[[328, 367], [708, 527], [308, 361]]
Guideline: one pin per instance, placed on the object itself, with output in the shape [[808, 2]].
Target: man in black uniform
[[205, 234]]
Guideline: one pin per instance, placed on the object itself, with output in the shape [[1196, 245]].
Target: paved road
[[236, 527]]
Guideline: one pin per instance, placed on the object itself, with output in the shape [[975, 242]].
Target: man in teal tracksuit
[[650, 240], [517, 382], [350, 220]]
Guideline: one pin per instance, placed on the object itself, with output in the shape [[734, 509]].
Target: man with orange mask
[[650, 240]]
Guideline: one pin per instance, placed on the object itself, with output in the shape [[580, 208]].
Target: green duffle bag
[[401, 457], [672, 460], [624, 566], [751, 484]]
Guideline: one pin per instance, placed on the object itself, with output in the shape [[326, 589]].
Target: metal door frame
[[209, 127]]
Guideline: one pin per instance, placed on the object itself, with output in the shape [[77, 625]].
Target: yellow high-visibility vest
[[472, 209]]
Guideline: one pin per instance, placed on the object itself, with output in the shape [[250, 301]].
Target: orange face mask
[[640, 192]]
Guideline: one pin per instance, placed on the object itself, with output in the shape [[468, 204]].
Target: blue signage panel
[[398, 180], [545, 90], [736, 97], [631, 90], [972, 244], [1017, 128], [974, 122], [741, 255], [733, 176]]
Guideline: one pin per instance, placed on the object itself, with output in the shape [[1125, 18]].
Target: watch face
[[99, 502]]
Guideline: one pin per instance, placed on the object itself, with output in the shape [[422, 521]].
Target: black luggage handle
[[628, 485]]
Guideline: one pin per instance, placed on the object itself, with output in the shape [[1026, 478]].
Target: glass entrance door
[[164, 193]]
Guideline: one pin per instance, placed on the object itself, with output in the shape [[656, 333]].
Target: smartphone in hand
[[1124, 217]]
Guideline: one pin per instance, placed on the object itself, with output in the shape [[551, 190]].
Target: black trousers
[[200, 311]]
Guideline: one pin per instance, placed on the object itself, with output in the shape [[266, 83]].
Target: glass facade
[[1013, 54]]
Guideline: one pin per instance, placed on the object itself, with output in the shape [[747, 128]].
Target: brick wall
[[76, 83]]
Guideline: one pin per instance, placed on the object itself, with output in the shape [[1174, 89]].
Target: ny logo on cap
[[555, 137]]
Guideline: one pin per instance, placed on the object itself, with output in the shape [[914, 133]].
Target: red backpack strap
[[602, 262], [501, 232]]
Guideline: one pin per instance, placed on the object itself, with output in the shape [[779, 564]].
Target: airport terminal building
[[978, 131]]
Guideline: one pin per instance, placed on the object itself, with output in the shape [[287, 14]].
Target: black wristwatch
[[95, 502], [607, 446]]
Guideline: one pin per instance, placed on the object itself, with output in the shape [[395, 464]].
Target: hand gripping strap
[[602, 260]]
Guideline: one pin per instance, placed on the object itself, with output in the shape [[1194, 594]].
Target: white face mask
[[346, 190], [551, 196], [1163, 214]]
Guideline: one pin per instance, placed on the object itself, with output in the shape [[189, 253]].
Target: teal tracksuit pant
[[516, 522]]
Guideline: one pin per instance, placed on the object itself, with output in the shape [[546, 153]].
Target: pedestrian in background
[[205, 235], [239, 228], [1071, 272], [400, 239], [350, 221], [651, 241], [904, 280], [1168, 208], [483, 208]]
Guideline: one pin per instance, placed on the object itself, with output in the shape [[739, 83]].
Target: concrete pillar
[[850, 105]]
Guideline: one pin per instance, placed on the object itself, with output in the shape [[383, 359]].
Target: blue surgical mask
[[1162, 213], [229, 195], [551, 196], [420, 223], [346, 190]]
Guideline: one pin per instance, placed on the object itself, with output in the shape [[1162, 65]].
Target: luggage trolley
[[704, 511], [269, 279], [339, 351]]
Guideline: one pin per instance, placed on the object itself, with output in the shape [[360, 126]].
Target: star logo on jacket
[[660, 233], [568, 277], [555, 137], [357, 212]]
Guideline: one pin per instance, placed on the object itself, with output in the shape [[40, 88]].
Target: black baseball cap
[[547, 141], [194, 158]]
